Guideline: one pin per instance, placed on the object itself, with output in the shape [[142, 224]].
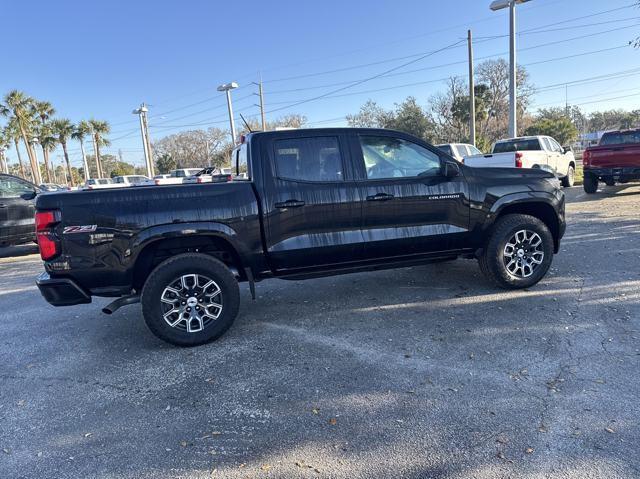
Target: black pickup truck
[[302, 204]]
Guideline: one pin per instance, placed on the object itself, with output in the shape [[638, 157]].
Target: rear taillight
[[518, 159], [199, 180], [586, 158], [47, 242], [157, 182]]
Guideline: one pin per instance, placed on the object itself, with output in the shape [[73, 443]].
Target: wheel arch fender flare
[[540, 204], [149, 236]]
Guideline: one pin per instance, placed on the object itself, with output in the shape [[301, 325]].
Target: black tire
[[590, 184], [492, 261], [168, 274], [609, 182], [569, 180]]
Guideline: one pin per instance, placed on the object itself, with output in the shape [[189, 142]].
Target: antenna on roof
[[246, 124]]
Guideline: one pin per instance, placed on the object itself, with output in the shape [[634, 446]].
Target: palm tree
[[63, 129], [99, 129], [43, 110], [48, 142], [4, 144], [81, 131], [12, 132], [18, 105]]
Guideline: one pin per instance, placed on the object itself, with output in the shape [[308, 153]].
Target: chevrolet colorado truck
[[616, 159], [302, 204], [530, 152]]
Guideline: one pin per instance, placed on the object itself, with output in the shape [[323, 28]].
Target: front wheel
[[569, 180], [518, 253], [190, 299]]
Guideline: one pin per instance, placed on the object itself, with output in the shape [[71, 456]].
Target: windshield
[[620, 138]]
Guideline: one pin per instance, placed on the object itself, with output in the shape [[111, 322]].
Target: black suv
[[17, 209]]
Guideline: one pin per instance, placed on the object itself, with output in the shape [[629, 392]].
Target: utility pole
[[227, 87], [261, 105], [472, 94], [146, 144], [85, 164]]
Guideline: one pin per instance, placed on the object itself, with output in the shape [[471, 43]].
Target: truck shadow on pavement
[[418, 372]]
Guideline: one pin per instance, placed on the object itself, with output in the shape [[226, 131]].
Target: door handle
[[289, 204], [380, 197]]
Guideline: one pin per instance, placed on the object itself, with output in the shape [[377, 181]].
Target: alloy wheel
[[191, 302], [523, 253]]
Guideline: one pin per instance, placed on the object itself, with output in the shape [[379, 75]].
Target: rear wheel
[[590, 184], [518, 253], [568, 180], [190, 299]]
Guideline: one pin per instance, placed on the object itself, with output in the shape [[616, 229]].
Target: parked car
[[530, 152], [616, 159], [17, 209], [316, 202], [52, 187], [459, 150], [210, 175], [98, 183], [129, 180], [175, 177]]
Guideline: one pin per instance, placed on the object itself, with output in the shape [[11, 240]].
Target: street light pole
[[513, 100], [227, 87], [513, 112], [472, 94]]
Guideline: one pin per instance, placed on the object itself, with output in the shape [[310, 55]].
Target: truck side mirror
[[566, 149], [451, 169]]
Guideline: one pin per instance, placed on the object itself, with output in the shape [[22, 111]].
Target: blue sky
[[102, 59]]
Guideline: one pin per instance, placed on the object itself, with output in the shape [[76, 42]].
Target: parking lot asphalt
[[419, 372]]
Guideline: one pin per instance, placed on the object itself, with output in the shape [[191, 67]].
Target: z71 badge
[[79, 229]]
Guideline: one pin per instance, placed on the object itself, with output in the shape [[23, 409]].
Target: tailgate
[[615, 156], [491, 160]]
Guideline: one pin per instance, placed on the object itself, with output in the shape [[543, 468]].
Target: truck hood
[[507, 173]]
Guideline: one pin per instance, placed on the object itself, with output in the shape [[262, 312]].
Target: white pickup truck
[[529, 152]]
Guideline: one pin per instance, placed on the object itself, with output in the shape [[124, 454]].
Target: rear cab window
[[316, 159], [621, 138], [525, 144]]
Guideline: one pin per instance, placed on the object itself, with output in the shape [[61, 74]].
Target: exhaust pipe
[[120, 302]]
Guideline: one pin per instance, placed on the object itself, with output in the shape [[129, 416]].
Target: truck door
[[552, 155], [409, 206], [311, 202]]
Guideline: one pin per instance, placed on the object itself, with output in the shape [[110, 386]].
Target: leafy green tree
[[411, 118], [121, 168], [165, 163], [558, 126], [371, 115]]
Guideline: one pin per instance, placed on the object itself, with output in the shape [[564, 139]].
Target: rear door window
[[309, 159]]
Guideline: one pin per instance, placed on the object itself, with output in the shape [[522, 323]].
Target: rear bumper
[[61, 291], [622, 173]]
